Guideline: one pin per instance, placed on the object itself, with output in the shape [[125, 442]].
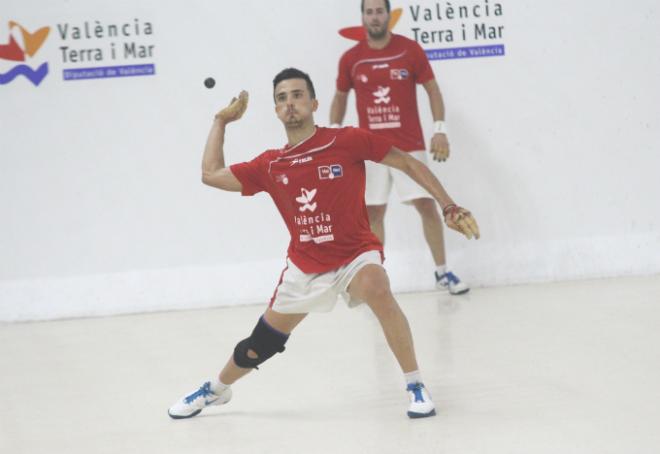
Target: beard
[[293, 122], [377, 33]]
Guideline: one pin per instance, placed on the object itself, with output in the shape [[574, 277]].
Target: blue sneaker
[[421, 405], [449, 281], [193, 403]]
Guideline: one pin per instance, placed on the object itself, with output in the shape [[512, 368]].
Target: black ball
[[209, 82]]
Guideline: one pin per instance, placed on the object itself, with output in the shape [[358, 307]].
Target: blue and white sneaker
[[193, 403], [421, 405], [449, 281]]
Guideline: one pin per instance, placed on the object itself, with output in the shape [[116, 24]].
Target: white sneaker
[[193, 403], [449, 281], [421, 405]]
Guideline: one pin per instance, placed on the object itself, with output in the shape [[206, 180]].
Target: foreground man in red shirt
[[317, 183]]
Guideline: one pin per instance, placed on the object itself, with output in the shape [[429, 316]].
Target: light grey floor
[[562, 368]]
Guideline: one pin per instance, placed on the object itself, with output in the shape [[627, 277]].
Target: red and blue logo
[[330, 172], [14, 52]]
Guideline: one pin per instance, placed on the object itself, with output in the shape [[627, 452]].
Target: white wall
[[555, 150]]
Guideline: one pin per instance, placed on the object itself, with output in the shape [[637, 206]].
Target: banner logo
[[14, 52]]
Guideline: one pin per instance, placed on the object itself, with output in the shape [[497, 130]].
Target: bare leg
[[376, 220], [433, 228], [284, 323], [372, 285]]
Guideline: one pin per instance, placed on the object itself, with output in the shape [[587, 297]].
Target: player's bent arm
[[214, 171], [222, 179], [338, 107], [419, 172]]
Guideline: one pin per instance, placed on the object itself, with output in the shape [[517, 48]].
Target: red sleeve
[[253, 175], [367, 145], [423, 70], [344, 81]]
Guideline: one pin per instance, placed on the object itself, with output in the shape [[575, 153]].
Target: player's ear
[[315, 105]]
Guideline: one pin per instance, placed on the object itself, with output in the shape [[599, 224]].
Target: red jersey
[[318, 188], [385, 91]]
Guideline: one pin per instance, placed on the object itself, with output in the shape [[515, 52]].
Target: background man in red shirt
[[317, 183], [384, 70]]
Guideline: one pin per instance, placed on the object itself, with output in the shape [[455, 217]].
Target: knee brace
[[265, 341]]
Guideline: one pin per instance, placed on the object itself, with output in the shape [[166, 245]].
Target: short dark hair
[[293, 73], [387, 6]]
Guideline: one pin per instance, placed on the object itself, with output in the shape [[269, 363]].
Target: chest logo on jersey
[[305, 200], [398, 74], [301, 160], [281, 178], [380, 66], [382, 95], [315, 226], [330, 172]]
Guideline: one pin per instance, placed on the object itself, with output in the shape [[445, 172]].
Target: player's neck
[[379, 43], [297, 135]]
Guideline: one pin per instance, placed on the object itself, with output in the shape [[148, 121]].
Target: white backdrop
[[555, 150]]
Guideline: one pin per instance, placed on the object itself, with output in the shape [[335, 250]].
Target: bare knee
[[377, 292], [369, 283], [372, 286]]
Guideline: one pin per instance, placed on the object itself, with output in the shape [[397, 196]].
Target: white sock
[[441, 269], [413, 377], [217, 386]]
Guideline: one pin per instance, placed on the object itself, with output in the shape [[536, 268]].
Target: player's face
[[375, 18], [293, 103]]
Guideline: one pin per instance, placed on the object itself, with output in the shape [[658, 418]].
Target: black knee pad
[[265, 341]]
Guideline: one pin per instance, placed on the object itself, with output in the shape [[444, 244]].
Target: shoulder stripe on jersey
[[375, 60], [299, 143], [313, 150]]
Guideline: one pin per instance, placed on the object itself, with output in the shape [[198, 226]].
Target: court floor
[[549, 368]]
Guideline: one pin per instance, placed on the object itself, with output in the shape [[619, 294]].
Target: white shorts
[[381, 177], [300, 293]]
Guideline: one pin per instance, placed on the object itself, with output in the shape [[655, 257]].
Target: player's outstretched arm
[[456, 218], [214, 171]]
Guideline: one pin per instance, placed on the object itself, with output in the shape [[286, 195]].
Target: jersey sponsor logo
[[330, 172], [398, 74], [385, 116], [382, 95], [305, 200], [380, 66], [315, 228], [301, 160]]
